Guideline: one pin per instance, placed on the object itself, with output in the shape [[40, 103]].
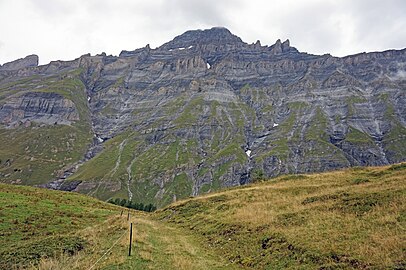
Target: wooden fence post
[[131, 237]]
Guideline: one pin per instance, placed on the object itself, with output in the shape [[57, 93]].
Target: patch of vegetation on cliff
[[286, 134], [393, 141], [126, 153], [71, 87], [279, 148], [351, 102], [19, 86], [174, 105], [316, 130], [191, 112], [162, 160], [357, 137], [232, 149]]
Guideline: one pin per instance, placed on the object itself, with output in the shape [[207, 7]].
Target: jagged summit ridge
[[215, 35], [207, 40], [213, 44]]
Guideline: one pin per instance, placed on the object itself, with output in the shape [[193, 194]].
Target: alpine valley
[[199, 113]]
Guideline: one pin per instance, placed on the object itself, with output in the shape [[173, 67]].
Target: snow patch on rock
[[248, 152]]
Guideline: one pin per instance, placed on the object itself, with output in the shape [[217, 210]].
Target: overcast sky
[[67, 29]]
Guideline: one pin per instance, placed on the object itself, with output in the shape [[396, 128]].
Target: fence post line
[[121, 213], [131, 236], [128, 215]]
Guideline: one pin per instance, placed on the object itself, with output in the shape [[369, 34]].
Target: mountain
[[199, 113]]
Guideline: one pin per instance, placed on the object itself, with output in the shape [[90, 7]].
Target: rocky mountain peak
[[28, 61], [144, 50], [215, 35], [280, 47]]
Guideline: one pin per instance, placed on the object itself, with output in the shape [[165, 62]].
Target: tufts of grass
[[360, 204], [358, 181], [398, 167], [31, 253]]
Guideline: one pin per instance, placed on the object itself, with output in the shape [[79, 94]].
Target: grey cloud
[[153, 22], [313, 26], [165, 12], [54, 8], [61, 29], [309, 27], [379, 22], [188, 14], [344, 27], [206, 12]]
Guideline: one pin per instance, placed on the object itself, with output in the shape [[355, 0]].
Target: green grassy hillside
[[38, 153], [46, 229], [350, 219], [37, 223]]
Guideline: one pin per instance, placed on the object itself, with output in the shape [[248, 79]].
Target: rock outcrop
[[41, 107], [207, 110], [28, 61]]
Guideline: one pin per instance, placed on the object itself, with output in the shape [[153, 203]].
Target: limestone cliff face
[[49, 108], [207, 110]]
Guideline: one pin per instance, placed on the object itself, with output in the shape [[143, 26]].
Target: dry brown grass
[[357, 214]]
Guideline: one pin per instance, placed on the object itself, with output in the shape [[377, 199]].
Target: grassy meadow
[[348, 219]]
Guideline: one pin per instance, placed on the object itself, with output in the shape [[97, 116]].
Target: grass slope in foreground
[[46, 229], [350, 219], [37, 223]]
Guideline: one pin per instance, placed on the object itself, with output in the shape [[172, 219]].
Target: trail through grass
[[156, 245], [43, 229], [349, 219]]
